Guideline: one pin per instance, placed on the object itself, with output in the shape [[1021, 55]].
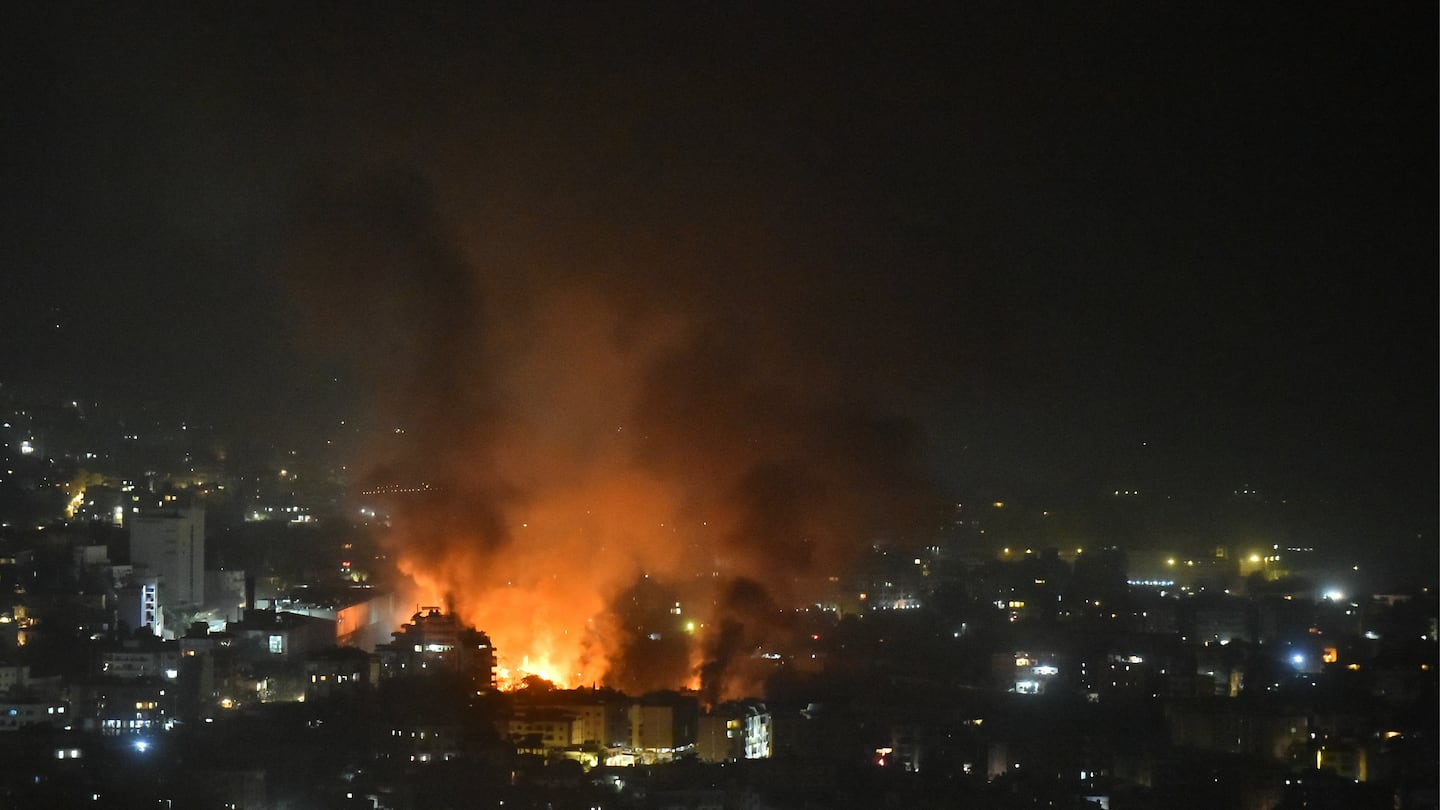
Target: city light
[[661, 363]]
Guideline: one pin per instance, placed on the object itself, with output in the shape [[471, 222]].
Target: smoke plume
[[615, 487]]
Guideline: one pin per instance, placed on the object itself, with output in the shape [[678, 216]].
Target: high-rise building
[[169, 544]]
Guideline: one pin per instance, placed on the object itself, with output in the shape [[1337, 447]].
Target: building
[[601, 715], [366, 622], [435, 641], [1272, 732], [734, 731], [137, 605], [424, 742], [270, 635], [662, 726], [169, 543], [1025, 672], [140, 657], [18, 715], [340, 671], [131, 706], [363, 618], [541, 730]]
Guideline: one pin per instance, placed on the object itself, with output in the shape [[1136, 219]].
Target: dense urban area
[[189, 623]]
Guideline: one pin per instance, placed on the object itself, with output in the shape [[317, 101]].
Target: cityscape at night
[[720, 406]]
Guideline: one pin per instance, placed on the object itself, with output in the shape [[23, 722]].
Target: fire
[[579, 451], [530, 626], [539, 577], [545, 516], [510, 678]]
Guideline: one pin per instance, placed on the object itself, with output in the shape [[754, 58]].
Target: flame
[[510, 678], [584, 455], [531, 631], [76, 487], [543, 595], [575, 520]]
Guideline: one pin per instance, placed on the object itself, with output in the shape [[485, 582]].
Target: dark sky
[[1192, 245]]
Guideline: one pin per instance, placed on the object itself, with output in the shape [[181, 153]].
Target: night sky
[[1173, 246]]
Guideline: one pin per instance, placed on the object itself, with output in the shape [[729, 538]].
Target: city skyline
[[636, 297], [654, 407]]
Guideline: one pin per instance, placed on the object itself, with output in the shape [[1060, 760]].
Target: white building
[[138, 604], [169, 544]]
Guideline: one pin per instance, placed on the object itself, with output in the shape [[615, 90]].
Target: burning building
[[437, 642]]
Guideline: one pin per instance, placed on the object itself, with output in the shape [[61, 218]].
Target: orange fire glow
[[589, 456], [588, 521], [543, 597]]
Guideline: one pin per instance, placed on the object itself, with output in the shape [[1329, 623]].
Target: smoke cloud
[[617, 488], [650, 401]]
